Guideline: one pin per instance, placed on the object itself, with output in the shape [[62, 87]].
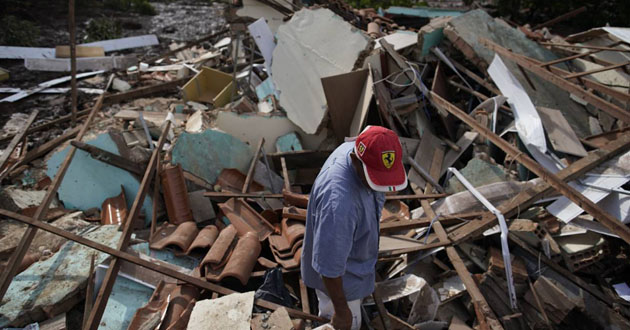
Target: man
[[342, 223]]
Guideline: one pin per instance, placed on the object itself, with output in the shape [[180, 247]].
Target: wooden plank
[[383, 102], [82, 51], [152, 264], [47, 147], [479, 95], [48, 124], [417, 248], [589, 72], [112, 272], [72, 54], [569, 58], [252, 166], [612, 49], [16, 140], [526, 198], [145, 91], [450, 219], [28, 236], [285, 175], [89, 293], [486, 84], [110, 158], [186, 46], [83, 64], [306, 306], [486, 317], [561, 135], [557, 183], [568, 86], [452, 156], [423, 157]]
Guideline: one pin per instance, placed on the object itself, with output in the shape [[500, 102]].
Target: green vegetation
[[103, 29], [17, 32]]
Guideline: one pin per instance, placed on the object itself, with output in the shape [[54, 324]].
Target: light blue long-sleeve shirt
[[342, 228]]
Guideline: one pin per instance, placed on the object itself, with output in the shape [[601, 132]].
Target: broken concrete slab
[[258, 9], [250, 128], [479, 173], [83, 64], [88, 182], [53, 286], [312, 45], [43, 240], [464, 32], [207, 153], [15, 199], [233, 311], [288, 142]]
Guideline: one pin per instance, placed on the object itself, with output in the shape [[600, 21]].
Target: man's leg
[[327, 310]]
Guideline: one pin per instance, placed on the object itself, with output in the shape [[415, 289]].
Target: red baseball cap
[[380, 151]]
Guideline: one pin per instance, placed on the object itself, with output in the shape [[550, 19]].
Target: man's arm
[[342, 319]]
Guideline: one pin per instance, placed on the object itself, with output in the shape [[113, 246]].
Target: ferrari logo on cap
[[361, 149], [388, 158]]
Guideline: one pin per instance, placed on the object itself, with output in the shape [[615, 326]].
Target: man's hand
[[342, 319]]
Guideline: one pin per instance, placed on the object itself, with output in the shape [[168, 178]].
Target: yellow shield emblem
[[388, 158]]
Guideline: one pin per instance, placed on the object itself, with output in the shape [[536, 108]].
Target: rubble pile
[[175, 197]]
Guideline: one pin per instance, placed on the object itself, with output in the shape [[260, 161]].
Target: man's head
[[379, 152]]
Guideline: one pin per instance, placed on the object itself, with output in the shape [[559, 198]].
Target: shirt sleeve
[[333, 232]]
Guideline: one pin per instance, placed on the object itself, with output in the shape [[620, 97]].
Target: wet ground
[[175, 21]]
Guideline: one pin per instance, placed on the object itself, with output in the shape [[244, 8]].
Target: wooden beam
[[285, 175], [48, 124], [186, 46], [16, 140], [569, 58], [47, 147], [612, 49], [422, 247], [73, 61], [526, 198], [393, 226], [486, 317], [40, 214], [153, 264], [229, 194], [477, 94], [486, 84], [568, 86], [112, 271], [589, 72], [306, 306], [587, 205], [252, 166], [145, 91], [109, 158]]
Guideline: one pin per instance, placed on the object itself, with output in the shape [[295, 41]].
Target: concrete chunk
[[312, 45]]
